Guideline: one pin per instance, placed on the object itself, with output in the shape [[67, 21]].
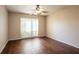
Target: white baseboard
[[24, 38], [3, 46], [64, 42], [15, 39]]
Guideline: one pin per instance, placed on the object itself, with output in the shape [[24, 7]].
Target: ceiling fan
[[40, 10]]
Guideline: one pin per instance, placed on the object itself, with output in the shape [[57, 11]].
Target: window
[[29, 27]]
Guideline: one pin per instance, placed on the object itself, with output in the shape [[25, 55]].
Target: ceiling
[[30, 9]]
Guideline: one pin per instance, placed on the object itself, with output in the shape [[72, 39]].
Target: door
[[29, 27]]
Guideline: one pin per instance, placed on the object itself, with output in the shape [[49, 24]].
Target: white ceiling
[[30, 9]]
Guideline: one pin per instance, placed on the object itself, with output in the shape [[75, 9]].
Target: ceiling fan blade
[[40, 10], [44, 11]]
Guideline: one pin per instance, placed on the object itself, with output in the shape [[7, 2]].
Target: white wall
[[63, 25], [3, 27]]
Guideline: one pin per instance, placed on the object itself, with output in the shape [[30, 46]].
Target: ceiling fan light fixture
[[37, 7], [40, 11]]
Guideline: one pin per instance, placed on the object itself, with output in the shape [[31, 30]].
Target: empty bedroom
[[39, 29]]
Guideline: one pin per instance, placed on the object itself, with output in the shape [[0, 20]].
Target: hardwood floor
[[38, 46]]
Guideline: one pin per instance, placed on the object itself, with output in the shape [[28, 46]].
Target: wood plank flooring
[[38, 46]]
